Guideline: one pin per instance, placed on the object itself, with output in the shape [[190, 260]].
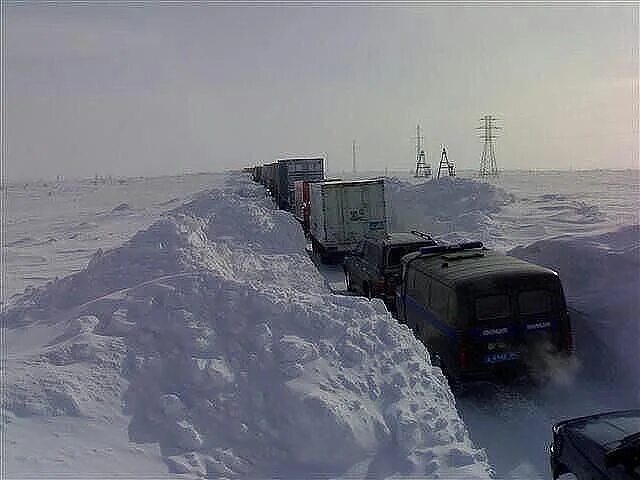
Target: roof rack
[[418, 233], [456, 247]]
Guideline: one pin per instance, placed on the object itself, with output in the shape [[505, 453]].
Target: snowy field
[[209, 343]]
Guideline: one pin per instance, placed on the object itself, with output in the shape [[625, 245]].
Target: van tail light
[[379, 286], [464, 358]]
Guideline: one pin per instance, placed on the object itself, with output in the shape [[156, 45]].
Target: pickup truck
[[374, 268]]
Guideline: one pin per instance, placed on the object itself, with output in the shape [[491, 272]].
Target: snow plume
[[545, 363], [601, 275], [453, 209], [238, 359]]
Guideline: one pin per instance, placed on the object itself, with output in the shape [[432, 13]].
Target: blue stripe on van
[[431, 318], [483, 333]]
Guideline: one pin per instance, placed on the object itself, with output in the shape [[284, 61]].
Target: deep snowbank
[[453, 209], [236, 357], [601, 276]]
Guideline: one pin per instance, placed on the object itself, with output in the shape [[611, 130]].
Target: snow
[[583, 225], [208, 342], [53, 229], [451, 208], [602, 277], [226, 347]]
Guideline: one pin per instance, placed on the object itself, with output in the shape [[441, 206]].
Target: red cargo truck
[[301, 203]]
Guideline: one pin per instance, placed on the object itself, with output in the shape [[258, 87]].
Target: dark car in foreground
[[602, 446], [374, 268]]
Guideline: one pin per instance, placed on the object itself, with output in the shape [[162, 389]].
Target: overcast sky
[[162, 90]]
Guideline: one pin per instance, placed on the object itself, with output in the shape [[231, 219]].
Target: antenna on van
[[418, 233]]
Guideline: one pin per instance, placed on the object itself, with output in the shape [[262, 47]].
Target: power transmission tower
[[422, 168], [446, 163], [353, 145], [487, 131]]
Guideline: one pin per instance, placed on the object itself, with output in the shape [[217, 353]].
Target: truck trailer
[[290, 170], [342, 213]]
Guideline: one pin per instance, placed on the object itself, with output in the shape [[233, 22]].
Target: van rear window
[[492, 306], [534, 302]]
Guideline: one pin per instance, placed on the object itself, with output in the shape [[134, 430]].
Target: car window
[[372, 253], [492, 307], [534, 301]]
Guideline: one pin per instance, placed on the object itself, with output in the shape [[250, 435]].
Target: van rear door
[[542, 316], [520, 323], [495, 334]]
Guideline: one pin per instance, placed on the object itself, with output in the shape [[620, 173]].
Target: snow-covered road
[[598, 259], [513, 423]]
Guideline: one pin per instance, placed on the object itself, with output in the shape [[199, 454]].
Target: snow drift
[[601, 277], [227, 348], [453, 209]]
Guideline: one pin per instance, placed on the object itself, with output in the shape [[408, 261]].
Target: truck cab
[[374, 268]]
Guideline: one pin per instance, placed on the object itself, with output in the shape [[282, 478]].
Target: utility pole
[[422, 168], [353, 145], [487, 131]]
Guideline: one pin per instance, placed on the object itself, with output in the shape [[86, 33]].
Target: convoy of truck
[[479, 312], [335, 214]]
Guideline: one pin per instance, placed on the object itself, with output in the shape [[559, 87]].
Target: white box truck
[[342, 212]]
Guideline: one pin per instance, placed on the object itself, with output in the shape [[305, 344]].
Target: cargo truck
[[342, 213], [301, 204], [290, 170]]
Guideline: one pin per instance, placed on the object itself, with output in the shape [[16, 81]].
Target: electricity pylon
[[487, 131]]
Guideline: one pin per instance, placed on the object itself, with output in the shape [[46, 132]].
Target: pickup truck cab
[[374, 268], [482, 313]]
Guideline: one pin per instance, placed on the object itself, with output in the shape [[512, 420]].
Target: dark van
[[480, 312]]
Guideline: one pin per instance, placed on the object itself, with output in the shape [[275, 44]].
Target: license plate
[[501, 357]]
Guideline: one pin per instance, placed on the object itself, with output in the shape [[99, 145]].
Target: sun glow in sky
[[160, 90]]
